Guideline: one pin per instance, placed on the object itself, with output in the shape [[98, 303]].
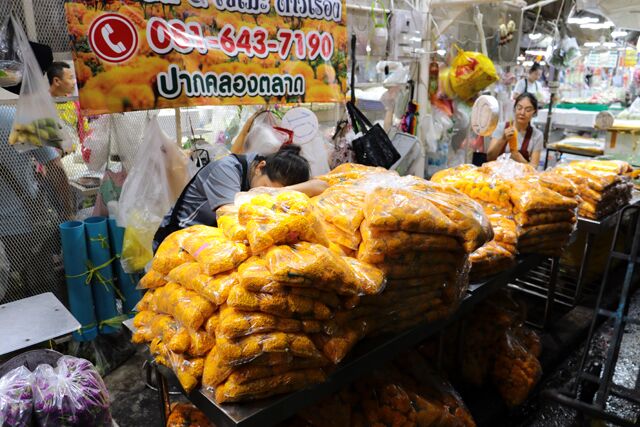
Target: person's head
[[61, 80], [525, 108], [281, 169], [535, 72]]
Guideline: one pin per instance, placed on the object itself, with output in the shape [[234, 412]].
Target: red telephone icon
[[107, 33]]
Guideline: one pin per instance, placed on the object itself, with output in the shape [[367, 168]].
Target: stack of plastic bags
[[70, 394], [545, 218], [407, 392], [500, 253], [256, 307], [541, 206], [602, 185], [417, 232], [492, 346]]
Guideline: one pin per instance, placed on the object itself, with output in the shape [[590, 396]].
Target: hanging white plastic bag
[[159, 175], [10, 63], [97, 143], [263, 138], [316, 153], [36, 122]]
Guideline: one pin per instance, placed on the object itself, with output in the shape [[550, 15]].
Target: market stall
[[385, 249]]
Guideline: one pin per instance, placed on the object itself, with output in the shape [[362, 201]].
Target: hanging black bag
[[373, 147]]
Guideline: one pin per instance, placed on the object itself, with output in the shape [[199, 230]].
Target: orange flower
[[88, 17], [326, 73], [94, 100], [135, 14], [299, 68], [83, 73], [130, 97]]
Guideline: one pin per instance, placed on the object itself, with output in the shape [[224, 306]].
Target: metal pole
[[178, 126], [30, 21]]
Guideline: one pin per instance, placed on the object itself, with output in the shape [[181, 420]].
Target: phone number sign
[[173, 53]]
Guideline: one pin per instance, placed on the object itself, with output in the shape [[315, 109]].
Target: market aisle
[[549, 414], [133, 403]]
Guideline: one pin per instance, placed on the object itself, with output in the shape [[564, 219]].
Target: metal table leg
[[551, 290], [583, 267], [163, 395]]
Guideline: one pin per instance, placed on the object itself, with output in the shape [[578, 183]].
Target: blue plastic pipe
[[126, 282], [74, 251], [102, 284]]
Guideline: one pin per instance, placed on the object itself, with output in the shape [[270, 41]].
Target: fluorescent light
[[592, 44], [609, 44], [619, 33], [527, 63], [543, 63], [441, 52], [585, 20], [521, 58], [598, 26], [536, 52], [535, 36]]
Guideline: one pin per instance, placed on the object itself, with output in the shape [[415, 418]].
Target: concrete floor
[[135, 405]]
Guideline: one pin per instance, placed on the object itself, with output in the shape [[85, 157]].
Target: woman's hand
[[311, 188], [508, 134]]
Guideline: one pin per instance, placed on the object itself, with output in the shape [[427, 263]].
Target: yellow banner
[[148, 54]]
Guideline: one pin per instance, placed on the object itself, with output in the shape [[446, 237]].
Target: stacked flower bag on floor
[[253, 308], [406, 392], [603, 186], [417, 232], [492, 345]]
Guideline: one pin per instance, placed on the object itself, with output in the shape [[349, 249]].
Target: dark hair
[[531, 97], [535, 67], [56, 69], [286, 166]]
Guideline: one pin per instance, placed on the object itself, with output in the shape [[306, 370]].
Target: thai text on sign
[[171, 53]]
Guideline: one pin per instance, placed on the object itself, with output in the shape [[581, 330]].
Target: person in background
[[531, 83], [61, 80], [217, 184], [530, 139]]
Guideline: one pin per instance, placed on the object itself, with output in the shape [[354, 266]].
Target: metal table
[[33, 320], [366, 356], [593, 228]]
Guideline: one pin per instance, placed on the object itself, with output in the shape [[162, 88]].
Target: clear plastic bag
[[377, 244], [71, 394], [214, 251], [274, 217], [308, 264], [229, 223], [16, 398], [532, 197], [152, 279], [342, 238], [188, 370], [342, 206], [11, 66], [187, 415], [516, 371], [347, 173], [170, 253], [396, 209], [214, 288], [36, 122], [234, 323], [232, 391], [284, 305], [336, 346], [246, 349], [263, 138], [187, 307], [159, 175]]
